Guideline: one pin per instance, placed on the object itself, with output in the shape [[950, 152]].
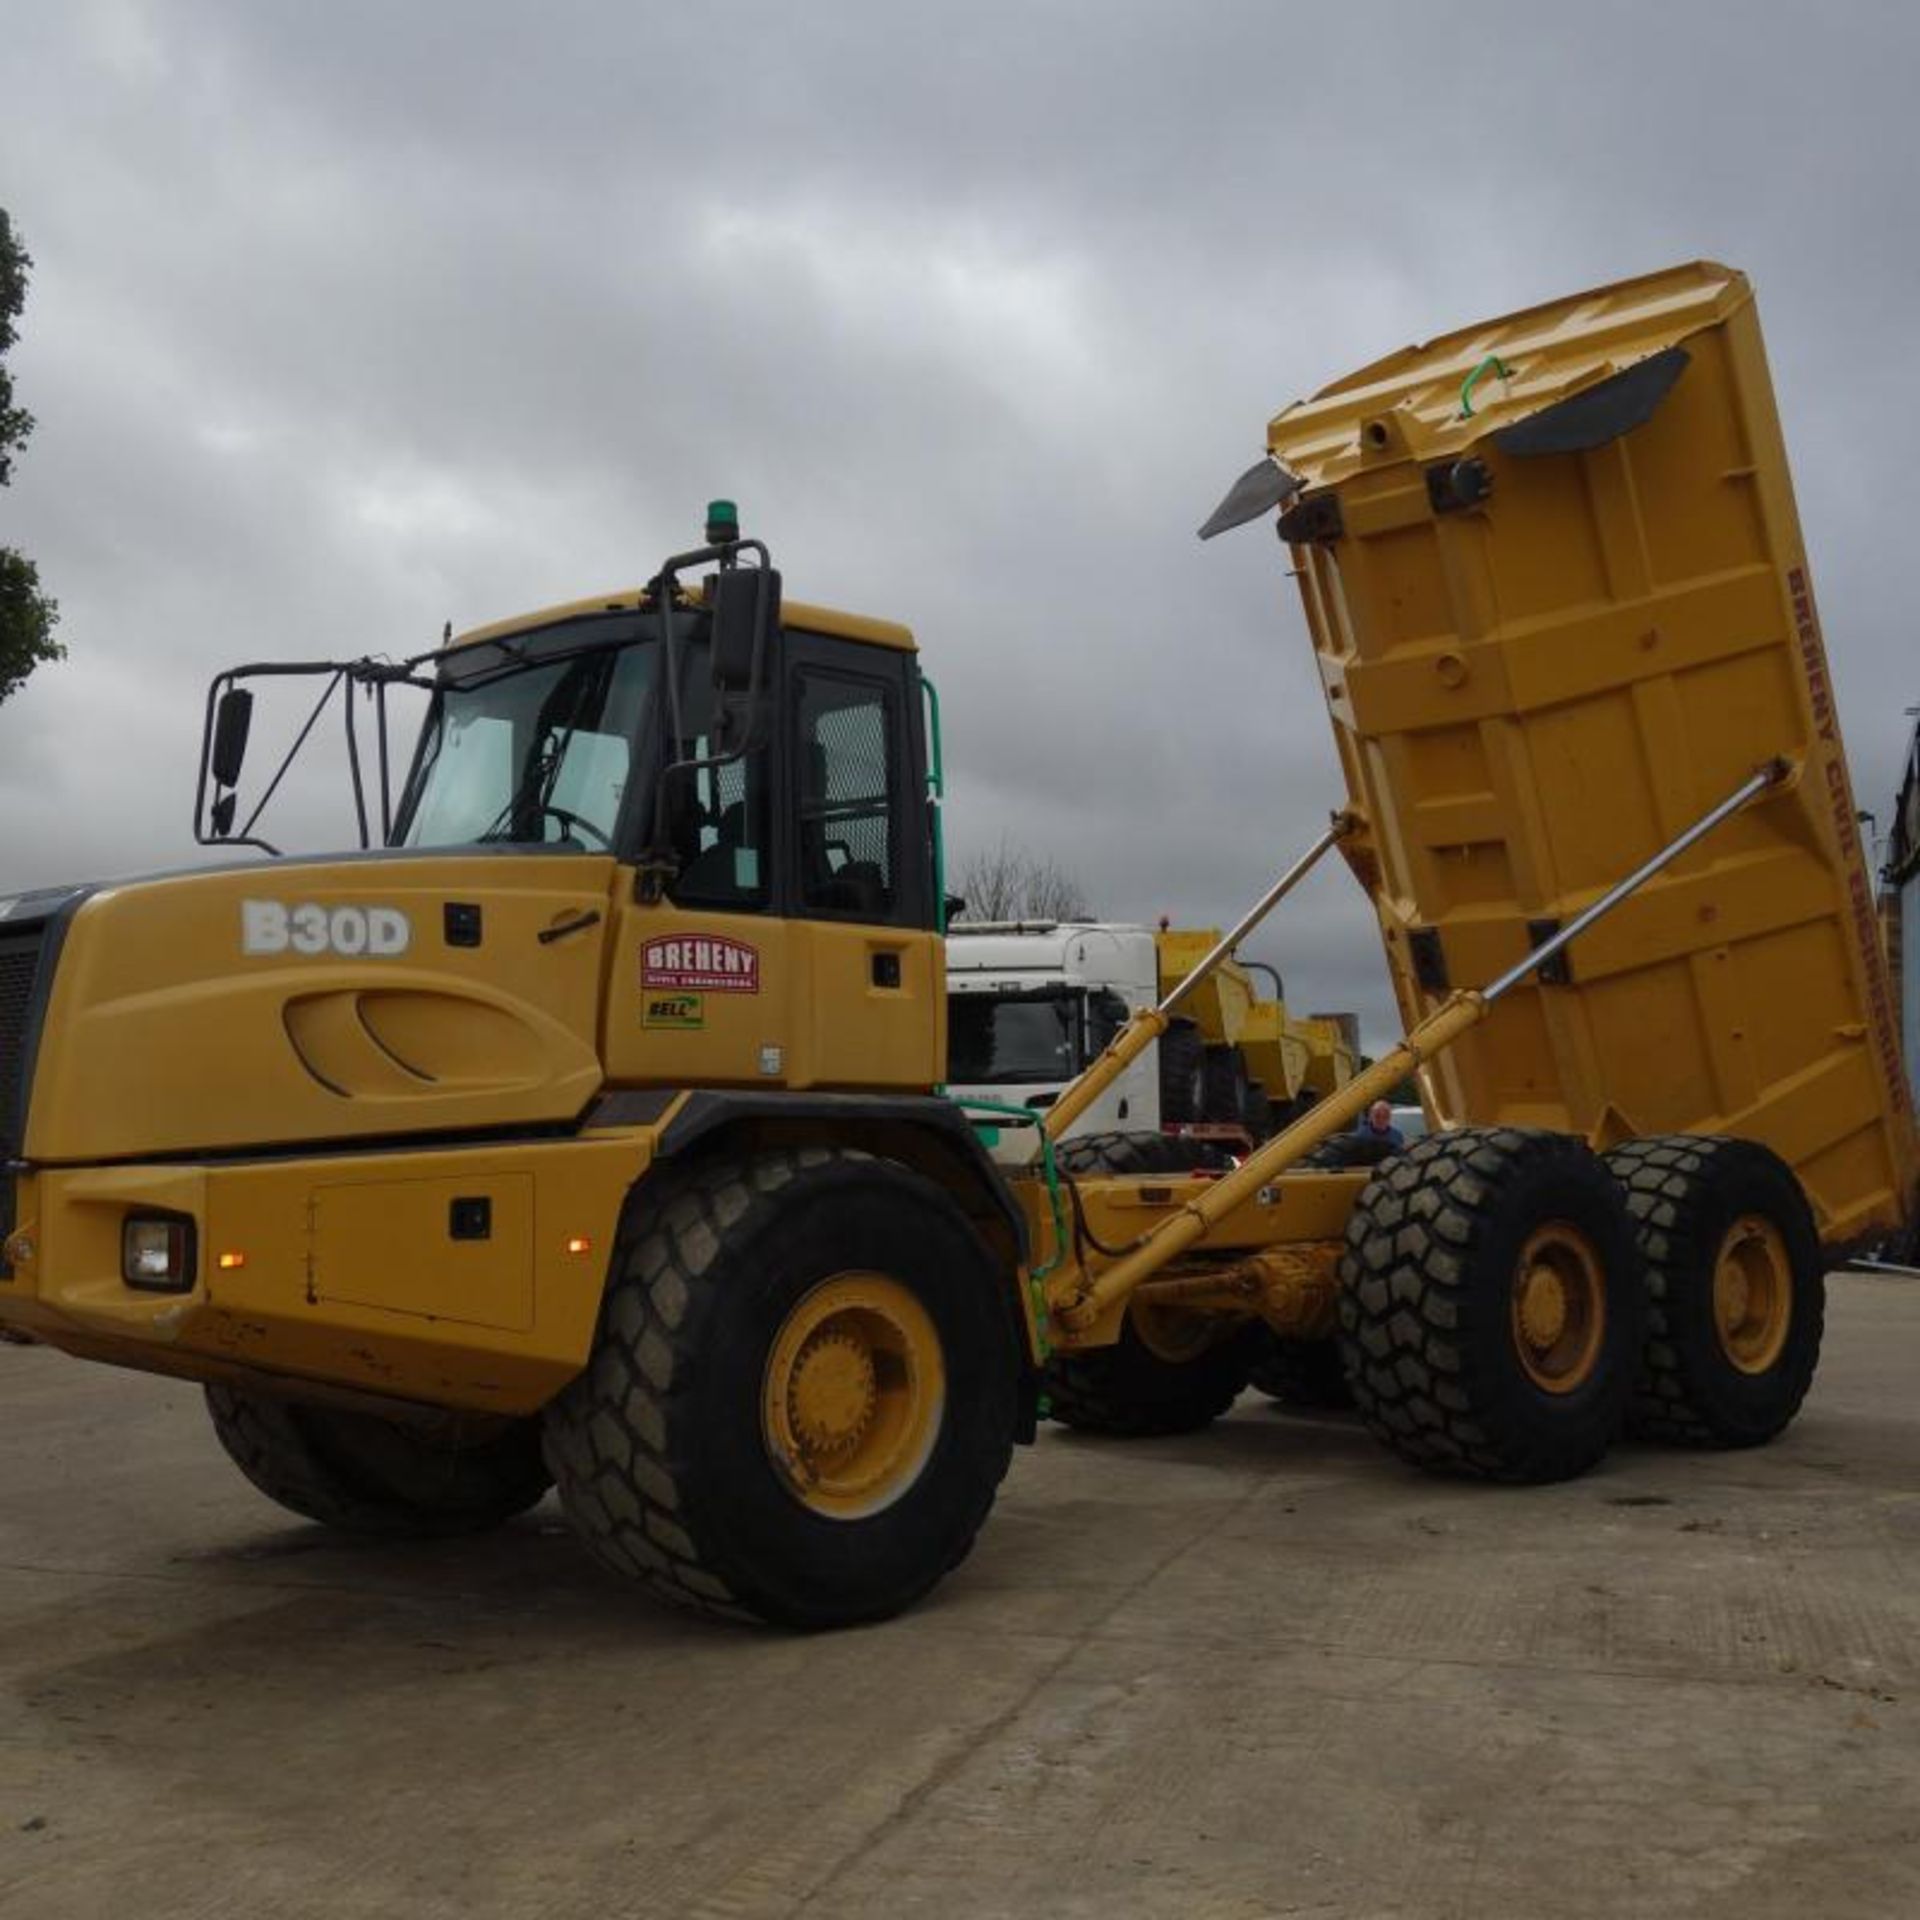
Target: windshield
[[534, 738], [1013, 1039]]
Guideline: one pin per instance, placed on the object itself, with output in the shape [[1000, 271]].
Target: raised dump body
[[1557, 588]]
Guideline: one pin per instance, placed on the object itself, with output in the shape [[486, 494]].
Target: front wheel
[[802, 1396]]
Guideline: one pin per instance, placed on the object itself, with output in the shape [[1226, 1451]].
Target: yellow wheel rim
[[854, 1393], [1752, 1294], [1559, 1308]]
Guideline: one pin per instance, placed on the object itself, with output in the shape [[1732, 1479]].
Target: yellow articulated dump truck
[[583, 1127]]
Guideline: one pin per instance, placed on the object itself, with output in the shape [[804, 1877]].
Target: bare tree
[[1010, 882]]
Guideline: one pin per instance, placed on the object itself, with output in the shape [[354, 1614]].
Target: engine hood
[[272, 1004]]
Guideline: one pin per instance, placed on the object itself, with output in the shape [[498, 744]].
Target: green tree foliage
[[27, 616]]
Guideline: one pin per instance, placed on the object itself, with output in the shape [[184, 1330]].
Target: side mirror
[[745, 605], [232, 721]]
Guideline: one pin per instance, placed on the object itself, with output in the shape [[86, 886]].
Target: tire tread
[[1407, 1295], [1663, 1177], [619, 1453]]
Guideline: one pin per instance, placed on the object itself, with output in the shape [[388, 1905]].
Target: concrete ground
[[1261, 1671]]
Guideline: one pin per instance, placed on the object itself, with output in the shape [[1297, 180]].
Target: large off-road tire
[[1352, 1149], [1260, 1113], [1308, 1374], [1736, 1289], [803, 1393], [1491, 1305], [1175, 1378], [1138, 1153], [1182, 1055], [363, 1474], [1166, 1373], [1223, 1088]]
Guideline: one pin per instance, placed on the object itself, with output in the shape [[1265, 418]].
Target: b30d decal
[[271, 926], [702, 963]]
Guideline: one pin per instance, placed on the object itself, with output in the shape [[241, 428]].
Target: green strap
[[1491, 364], [1050, 1172]]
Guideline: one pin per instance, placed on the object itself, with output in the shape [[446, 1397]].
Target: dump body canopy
[[1556, 620], [1220, 1004]]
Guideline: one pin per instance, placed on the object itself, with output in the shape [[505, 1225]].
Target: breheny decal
[[700, 963]]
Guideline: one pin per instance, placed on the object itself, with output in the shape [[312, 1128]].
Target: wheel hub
[[1559, 1307], [1753, 1294], [1543, 1308], [1732, 1295], [854, 1394], [833, 1393]]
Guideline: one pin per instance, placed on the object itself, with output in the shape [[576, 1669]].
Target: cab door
[[795, 945], [868, 967], [702, 986]]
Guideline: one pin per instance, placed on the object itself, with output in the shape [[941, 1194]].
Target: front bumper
[[343, 1272]]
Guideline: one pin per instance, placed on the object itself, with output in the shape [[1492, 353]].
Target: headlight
[[156, 1253]]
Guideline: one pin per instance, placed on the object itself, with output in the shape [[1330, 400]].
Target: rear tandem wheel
[[1491, 1305], [1736, 1294]]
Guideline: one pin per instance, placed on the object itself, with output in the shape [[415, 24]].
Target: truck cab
[[1030, 1004], [653, 862]]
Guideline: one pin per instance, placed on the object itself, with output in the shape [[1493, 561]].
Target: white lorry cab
[[1030, 1004]]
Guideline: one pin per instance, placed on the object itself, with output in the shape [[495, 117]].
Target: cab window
[[846, 780], [719, 813]]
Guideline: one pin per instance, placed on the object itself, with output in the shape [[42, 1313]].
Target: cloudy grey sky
[[350, 319]]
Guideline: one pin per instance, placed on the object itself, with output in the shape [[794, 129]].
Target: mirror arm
[[245, 836], [386, 775], [353, 766]]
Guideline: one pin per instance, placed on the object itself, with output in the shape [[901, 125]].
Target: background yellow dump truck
[[581, 1127], [1031, 1003]]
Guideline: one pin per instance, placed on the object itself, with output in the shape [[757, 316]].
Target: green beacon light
[[723, 522]]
